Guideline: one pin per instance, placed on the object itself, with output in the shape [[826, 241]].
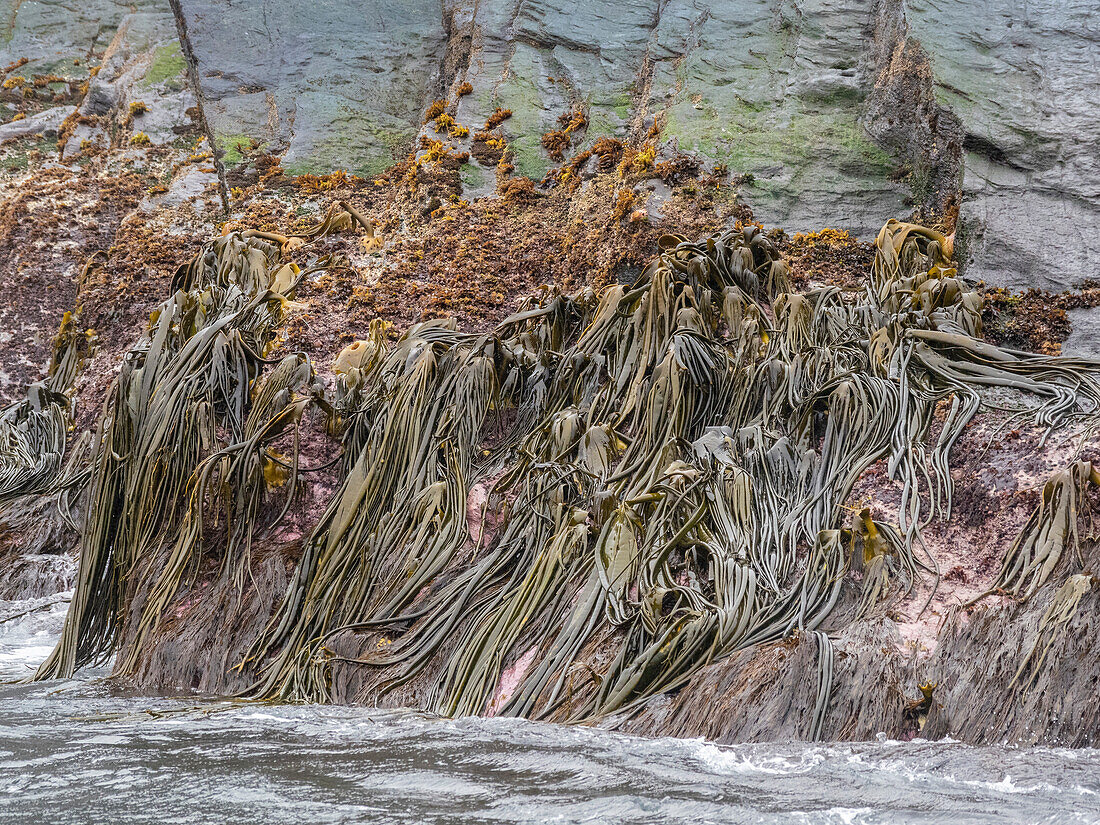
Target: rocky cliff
[[404, 162], [842, 112]]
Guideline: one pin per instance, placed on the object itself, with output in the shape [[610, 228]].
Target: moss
[[168, 64], [472, 176], [16, 159], [749, 139], [599, 125], [837, 97], [359, 146], [62, 65], [228, 144], [527, 156], [370, 165], [622, 105], [751, 106]]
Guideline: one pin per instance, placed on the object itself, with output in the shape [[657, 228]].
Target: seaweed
[[662, 466]]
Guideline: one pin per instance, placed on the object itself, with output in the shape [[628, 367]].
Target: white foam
[[744, 761], [28, 639]]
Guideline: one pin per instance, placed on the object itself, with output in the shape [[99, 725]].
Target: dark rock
[[102, 98]]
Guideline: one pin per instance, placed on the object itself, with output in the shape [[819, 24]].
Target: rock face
[[1025, 83], [336, 84], [51, 38], [772, 90], [843, 111]]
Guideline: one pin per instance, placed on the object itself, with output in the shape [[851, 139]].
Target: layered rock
[[841, 111], [1024, 82]]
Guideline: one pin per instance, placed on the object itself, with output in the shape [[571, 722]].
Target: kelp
[[680, 457], [1049, 532], [34, 431], [661, 471], [1063, 605], [191, 382], [824, 684]]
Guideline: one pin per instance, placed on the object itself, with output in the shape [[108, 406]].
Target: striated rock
[[37, 549], [843, 111], [1002, 676], [1025, 84]]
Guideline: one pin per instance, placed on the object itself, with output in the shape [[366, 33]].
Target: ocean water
[[79, 751]]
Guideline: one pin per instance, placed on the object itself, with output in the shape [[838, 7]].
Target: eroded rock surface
[[843, 111], [1024, 79]]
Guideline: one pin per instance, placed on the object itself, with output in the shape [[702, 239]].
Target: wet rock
[[37, 549], [1025, 85], [46, 123], [199, 654], [768, 693], [990, 690]]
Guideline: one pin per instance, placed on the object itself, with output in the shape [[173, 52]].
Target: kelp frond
[[187, 383], [34, 431], [1048, 533], [666, 464]]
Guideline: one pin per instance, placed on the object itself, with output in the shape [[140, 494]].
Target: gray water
[[80, 752]]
